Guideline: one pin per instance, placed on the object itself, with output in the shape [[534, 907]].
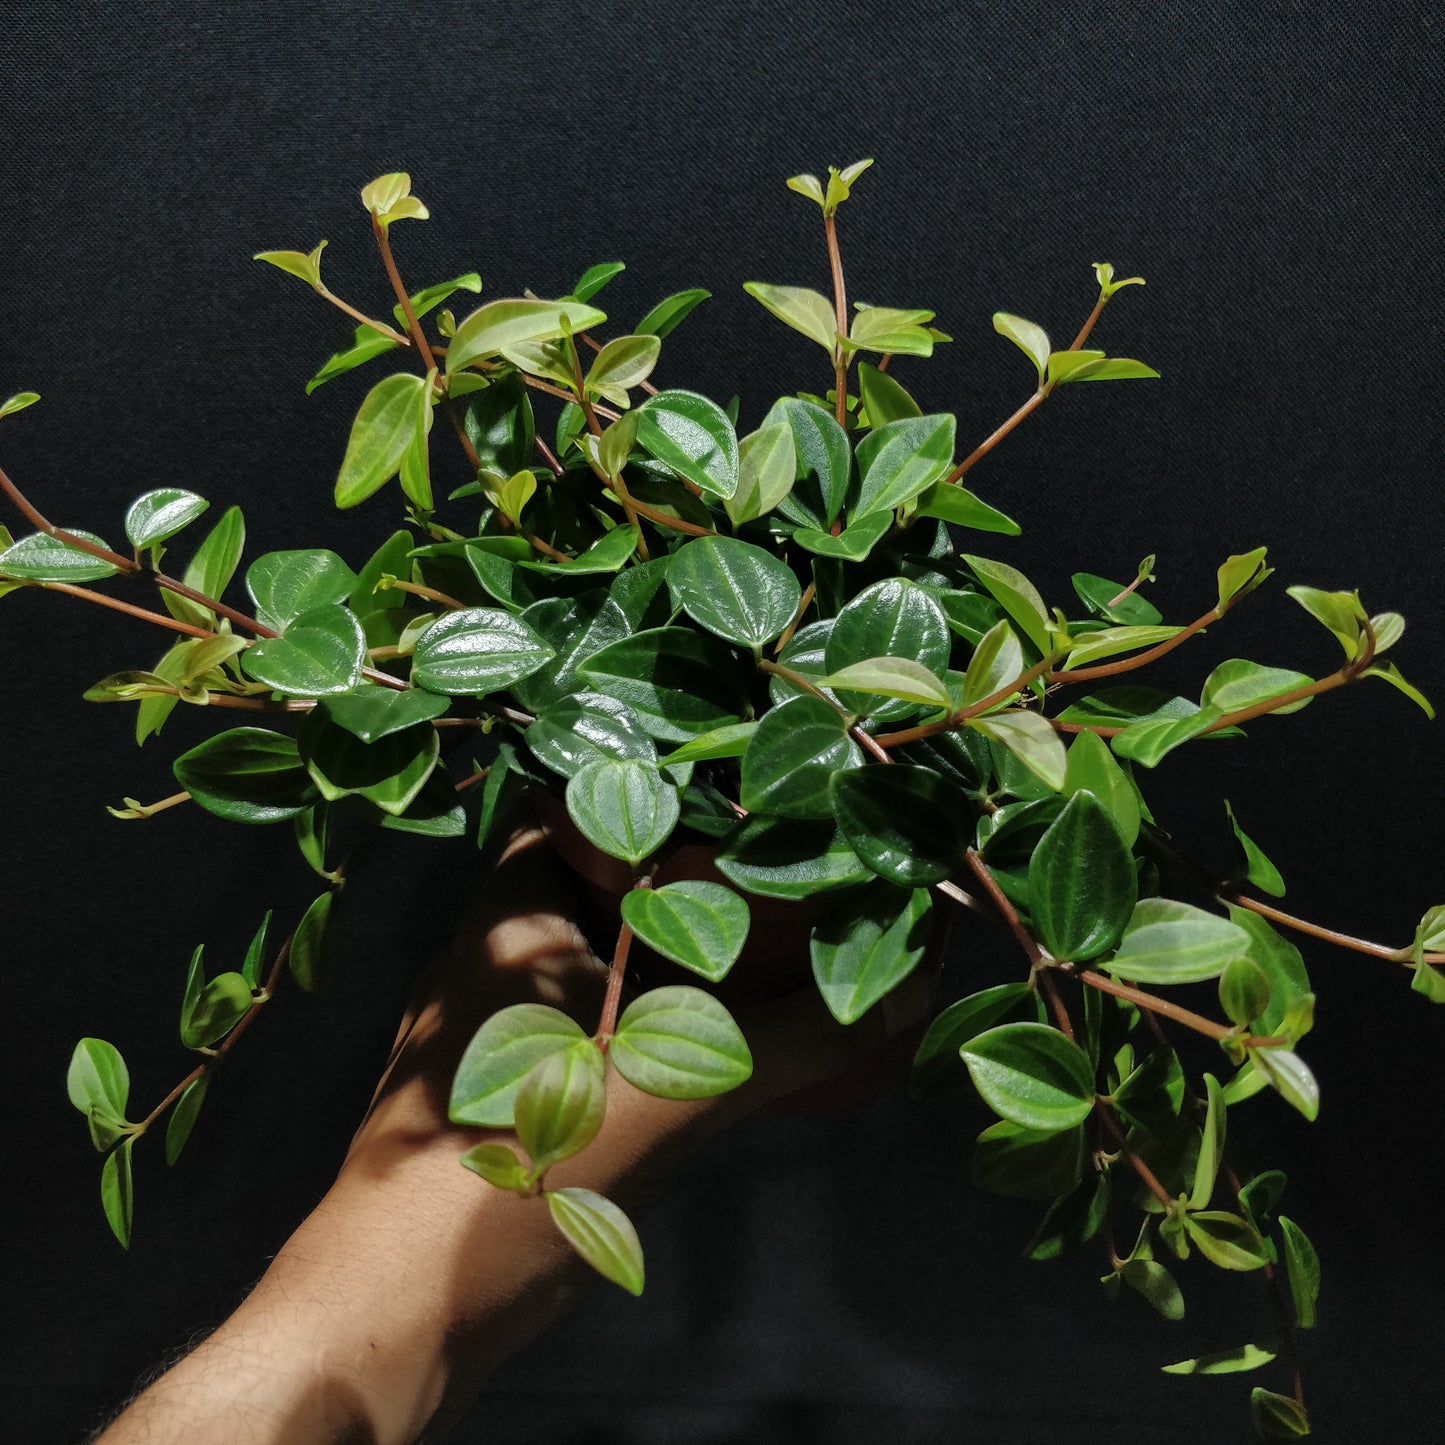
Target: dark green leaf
[[1259, 1197], [789, 858], [601, 1233], [160, 514], [247, 775], [1243, 991], [868, 943], [1031, 1075], [791, 758], [901, 459], [852, 544], [587, 728], [390, 772], [958, 505], [907, 823], [1028, 1163], [680, 1043], [392, 558], [321, 652], [1211, 1145], [938, 1071], [625, 808], [211, 569], [500, 425], [256, 953], [435, 814], [1151, 1097], [700, 925], [594, 278], [476, 651], [310, 956], [1225, 1240], [373, 713], [1277, 1417], [218, 1008], [892, 618], [1107, 600], [679, 682], [692, 436], [500, 1056], [663, 317], [824, 463], [734, 589], [1073, 1220], [577, 627], [283, 585], [1081, 881]]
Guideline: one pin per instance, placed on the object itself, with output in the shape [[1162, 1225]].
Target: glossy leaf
[[1151, 1096], [1291, 1077], [97, 1080], [605, 555], [697, 924], [594, 278], [852, 544], [321, 652], [310, 956], [900, 459], [767, 469], [184, 1113], [734, 589], [1339, 611], [1241, 574], [577, 627], [601, 1233], [792, 756], [824, 461], [1072, 1220], [585, 728], [1211, 1145], [500, 425], [1243, 991], [43, 558], [867, 944], [367, 344], [304, 265], [1018, 597], [891, 618], [214, 1009], [626, 808], [679, 681], [890, 330], [907, 823], [1166, 941], [385, 426], [389, 772], [1031, 1075], [498, 325], [1391, 674], [729, 741], [1081, 881], [789, 858], [938, 1070], [1092, 647], [1030, 739], [691, 435], [283, 585], [373, 713], [1150, 739], [958, 505], [1240, 684], [247, 775], [806, 311], [1112, 602], [997, 661], [476, 651], [624, 362], [159, 515], [500, 1056], [559, 1106], [1303, 1266]]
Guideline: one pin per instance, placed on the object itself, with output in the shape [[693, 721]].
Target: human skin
[[381, 1317]]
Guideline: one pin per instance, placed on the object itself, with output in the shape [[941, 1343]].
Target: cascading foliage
[[789, 643]]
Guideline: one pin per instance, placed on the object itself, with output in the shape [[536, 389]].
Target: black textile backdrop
[[1273, 169]]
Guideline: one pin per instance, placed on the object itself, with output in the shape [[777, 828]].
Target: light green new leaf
[[115, 1190], [1226, 1240], [18, 402], [1241, 574], [560, 1103], [1018, 597], [694, 437], [1223, 1362], [1238, 683], [183, 1116], [1090, 767], [594, 278], [852, 544], [1081, 881], [866, 945], [958, 505], [43, 558], [500, 1056], [1303, 1266], [98, 1080], [385, 426], [1340, 612], [898, 677], [889, 330], [306, 265], [680, 1043], [1024, 1163], [498, 1165], [1277, 1417], [806, 311], [1291, 1077], [1090, 647], [1166, 941], [389, 772], [1258, 868], [1028, 336], [159, 515], [767, 468], [498, 325], [601, 1233], [623, 363], [624, 807], [807, 185], [882, 397], [734, 589], [697, 924], [1031, 1075], [1211, 1145], [1243, 991], [211, 569], [387, 195], [1031, 740], [729, 741], [997, 660], [247, 775], [1391, 674]]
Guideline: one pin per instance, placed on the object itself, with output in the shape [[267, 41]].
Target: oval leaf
[[697, 924], [1031, 1075], [625, 808], [680, 1043], [693, 436], [601, 1233], [1081, 882], [477, 651], [500, 1056], [160, 514], [247, 775], [734, 589]]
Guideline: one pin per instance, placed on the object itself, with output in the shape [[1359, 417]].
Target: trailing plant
[[796, 644]]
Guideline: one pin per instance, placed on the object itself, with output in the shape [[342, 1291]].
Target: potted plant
[[790, 652]]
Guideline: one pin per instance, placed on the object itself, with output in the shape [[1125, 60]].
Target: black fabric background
[[1273, 169]]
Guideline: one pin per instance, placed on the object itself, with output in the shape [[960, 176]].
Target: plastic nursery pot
[[774, 962]]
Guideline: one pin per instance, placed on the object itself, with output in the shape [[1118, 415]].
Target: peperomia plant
[[777, 643]]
